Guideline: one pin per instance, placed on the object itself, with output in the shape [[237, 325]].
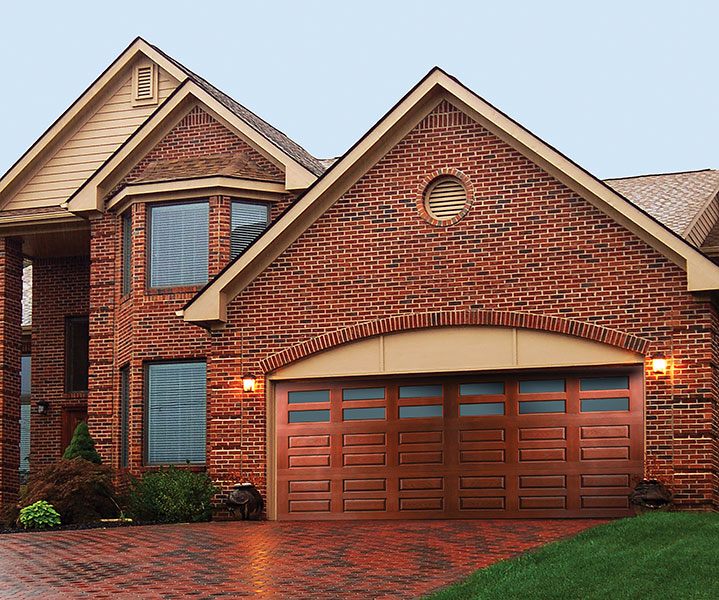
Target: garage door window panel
[[481, 409], [604, 404], [349, 394], [309, 396], [364, 413], [309, 416]]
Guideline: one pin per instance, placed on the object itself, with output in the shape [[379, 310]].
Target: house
[[451, 320]]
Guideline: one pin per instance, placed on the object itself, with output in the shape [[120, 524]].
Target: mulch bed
[[78, 526]]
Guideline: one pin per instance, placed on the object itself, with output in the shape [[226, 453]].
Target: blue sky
[[622, 88]]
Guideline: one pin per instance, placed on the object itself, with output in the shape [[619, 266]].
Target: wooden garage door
[[520, 445]]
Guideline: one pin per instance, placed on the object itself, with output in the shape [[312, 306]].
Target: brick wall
[[142, 326], [60, 290], [528, 244], [10, 336], [199, 134]]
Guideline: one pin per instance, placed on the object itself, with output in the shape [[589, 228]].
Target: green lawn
[[658, 556]]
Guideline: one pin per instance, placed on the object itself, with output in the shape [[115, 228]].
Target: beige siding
[[88, 147]]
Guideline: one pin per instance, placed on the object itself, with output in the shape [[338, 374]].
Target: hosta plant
[[40, 515]]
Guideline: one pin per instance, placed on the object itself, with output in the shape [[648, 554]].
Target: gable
[[86, 146], [526, 239], [209, 307], [200, 146]]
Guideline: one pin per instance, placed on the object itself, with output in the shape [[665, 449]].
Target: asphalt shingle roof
[[674, 199], [275, 136], [231, 165]]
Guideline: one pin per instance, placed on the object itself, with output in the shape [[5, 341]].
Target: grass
[[657, 556]]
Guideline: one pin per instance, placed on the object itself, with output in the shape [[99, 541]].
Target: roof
[[208, 308], [261, 126], [674, 199], [230, 165]]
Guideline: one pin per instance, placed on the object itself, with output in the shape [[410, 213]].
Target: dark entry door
[[71, 418]]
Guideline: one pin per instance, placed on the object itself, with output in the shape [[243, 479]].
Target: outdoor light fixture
[[659, 364], [42, 406], [248, 382]]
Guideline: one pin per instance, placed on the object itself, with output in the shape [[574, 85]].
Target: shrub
[[81, 491], [171, 496], [39, 515], [82, 445]]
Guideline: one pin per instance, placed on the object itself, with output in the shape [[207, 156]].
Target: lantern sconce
[[248, 382], [659, 364], [42, 407]]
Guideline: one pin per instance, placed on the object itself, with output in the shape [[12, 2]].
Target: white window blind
[[176, 412], [25, 412], [179, 244], [249, 220]]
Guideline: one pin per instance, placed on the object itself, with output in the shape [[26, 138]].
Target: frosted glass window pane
[[604, 404], [541, 386], [357, 414], [176, 413], [546, 406], [363, 394], [415, 412], [308, 396], [604, 383], [481, 389], [309, 416], [420, 391], [479, 410]]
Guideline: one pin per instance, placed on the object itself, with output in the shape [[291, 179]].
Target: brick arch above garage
[[456, 340]]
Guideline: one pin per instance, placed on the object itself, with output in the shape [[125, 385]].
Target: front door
[[71, 418]]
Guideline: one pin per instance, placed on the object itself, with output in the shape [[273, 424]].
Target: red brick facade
[[60, 290], [528, 252], [528, 244], [10, 334]]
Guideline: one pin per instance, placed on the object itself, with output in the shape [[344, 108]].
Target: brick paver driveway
[[284, 560]]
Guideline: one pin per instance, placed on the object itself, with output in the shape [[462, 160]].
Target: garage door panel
[[414, 463]]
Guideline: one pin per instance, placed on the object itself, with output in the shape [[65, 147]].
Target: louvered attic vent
[[144, 82], [445, 198]]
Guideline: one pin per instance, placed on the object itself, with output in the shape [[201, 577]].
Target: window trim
[[148, 249], [146, 413]]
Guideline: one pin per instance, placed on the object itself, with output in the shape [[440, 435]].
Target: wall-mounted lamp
[[248, 382], [659, 364], [42, 406]]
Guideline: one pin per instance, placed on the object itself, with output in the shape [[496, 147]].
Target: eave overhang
[[90, 198]]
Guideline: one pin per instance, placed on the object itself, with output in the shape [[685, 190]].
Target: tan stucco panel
[[453, 349]]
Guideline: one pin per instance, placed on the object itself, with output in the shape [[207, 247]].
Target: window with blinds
[[126, 252], [124, 416], [176, 416], [25, 413], [179, 244], [248, 221]]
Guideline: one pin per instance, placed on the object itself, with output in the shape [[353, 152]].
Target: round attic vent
[[445, 198]]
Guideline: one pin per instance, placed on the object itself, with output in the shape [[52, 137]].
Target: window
[[178, 244], [249, 220], [77, 341], [25, 414], [176, 413], [126, 252], [124, 416]]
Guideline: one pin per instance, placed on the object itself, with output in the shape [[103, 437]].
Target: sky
[[622, 88]]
